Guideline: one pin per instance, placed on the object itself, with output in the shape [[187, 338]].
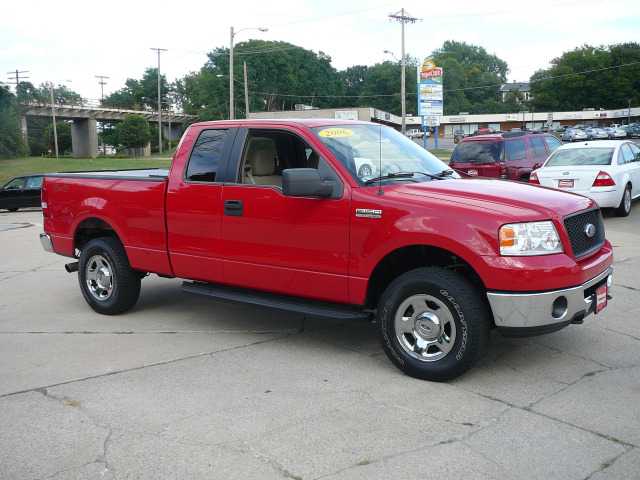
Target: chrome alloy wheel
[[100, 277], [425, 328]]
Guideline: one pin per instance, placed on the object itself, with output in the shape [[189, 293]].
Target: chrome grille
[[577, 226]]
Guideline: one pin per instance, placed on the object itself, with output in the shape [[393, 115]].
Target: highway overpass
[[84, 131]]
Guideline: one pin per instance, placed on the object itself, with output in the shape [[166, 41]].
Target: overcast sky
[[79, 40]]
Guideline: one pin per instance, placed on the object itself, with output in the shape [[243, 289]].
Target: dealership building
[[464, 121]]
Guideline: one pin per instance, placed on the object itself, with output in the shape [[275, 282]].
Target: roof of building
[[522, 86]]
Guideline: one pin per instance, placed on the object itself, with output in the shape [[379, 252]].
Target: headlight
[[535, 238]]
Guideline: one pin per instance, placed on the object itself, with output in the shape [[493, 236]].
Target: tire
[[13, 209], [365, 171], [108, 283], [624, 208], [433, 324]]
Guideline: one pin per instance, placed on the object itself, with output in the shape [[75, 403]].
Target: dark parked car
[[20, 192], [458, 135], [503, 155], [632, 131]]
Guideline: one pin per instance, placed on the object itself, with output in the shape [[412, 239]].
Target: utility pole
[[246, 92], [53, 114], [232, 106], [102, 84], [159, 50], [169, 112], [17, 75], [403, 17]]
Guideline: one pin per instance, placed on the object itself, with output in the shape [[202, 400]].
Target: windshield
[[378, 152], [580, 156]]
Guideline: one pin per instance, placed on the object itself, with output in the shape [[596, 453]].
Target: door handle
[[233, 208]]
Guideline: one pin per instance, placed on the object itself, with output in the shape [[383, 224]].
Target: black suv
[[511, 155]]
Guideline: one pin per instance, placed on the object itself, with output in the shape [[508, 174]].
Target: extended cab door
[[194, 204], [290, 245]]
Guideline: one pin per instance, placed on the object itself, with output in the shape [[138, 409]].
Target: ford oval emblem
[[590, 230]]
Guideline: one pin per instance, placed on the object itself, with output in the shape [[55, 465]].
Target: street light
[[391, 53], [231, 104]]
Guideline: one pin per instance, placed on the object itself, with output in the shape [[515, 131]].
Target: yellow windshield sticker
[[336, 132]]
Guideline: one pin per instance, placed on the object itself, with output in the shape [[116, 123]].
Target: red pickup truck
[[343, 220]]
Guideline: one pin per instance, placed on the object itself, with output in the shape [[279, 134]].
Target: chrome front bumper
[[527, 314]]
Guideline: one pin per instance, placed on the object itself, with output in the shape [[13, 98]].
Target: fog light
[[559, 308]]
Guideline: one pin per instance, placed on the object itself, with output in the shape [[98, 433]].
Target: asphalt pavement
[[186, 387]]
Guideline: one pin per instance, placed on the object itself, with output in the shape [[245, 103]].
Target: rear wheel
[[624, 208], [13, 209], [108, 283], [432, 323]]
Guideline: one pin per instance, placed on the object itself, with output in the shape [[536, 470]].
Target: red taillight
[[533, 178], [504, 171], [603, 180], [44, 198]]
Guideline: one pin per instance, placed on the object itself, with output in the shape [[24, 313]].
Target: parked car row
[[608, 171]]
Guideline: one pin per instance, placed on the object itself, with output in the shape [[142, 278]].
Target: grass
[[443, 155], [28, 165]]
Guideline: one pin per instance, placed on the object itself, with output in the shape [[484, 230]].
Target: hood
[[521, 200]]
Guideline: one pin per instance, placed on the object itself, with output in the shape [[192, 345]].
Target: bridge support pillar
[[23, 126], [84, 138]]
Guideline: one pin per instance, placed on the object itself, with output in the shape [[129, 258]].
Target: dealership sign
[[430, 95]]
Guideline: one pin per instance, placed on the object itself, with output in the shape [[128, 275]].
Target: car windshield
[[477, 152], [378, 152], [580, 156]]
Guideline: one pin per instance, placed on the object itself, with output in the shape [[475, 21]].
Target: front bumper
[[528, 314]]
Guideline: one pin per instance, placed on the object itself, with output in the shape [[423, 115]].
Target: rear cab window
[[205, 156]]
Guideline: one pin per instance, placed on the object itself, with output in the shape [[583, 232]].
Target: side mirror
[[305, 182]]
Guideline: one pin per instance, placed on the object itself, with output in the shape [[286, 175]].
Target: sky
[[71, 42]]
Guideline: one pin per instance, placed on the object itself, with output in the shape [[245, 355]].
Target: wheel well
[[91, 228], [411, 257]]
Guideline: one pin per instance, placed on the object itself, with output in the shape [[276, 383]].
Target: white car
[[607, 171], [364, 167]]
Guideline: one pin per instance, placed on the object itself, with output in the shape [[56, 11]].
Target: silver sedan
[[596, 133], [615, 132], [573, 135]]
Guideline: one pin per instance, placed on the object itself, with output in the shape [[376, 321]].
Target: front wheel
[[108, 283], [433, 324]]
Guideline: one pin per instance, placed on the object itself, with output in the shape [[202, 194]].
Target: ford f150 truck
[[280, 215]]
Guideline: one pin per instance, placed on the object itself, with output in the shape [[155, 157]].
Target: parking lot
[[184, 387]]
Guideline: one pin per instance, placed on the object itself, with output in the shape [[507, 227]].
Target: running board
[[273, 301]]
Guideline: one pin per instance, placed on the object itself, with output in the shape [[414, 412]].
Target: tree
[[63, 130], [279, 75], [12, 142], [139, 94], [133, 131], [589, 77], [472, 77]]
